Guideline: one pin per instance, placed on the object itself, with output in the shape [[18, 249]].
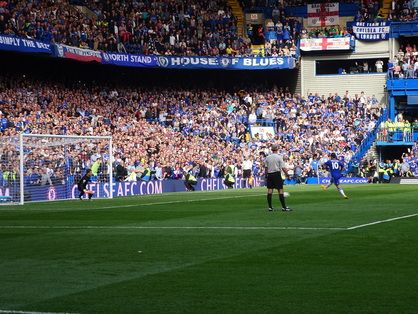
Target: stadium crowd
[[165, 129], [146, 27], [403, 11], [405, 63], [197, 28], [206, 28]]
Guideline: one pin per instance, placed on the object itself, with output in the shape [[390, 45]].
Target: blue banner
[[344, 180], [174, 62], [70, 191], [123, 59], [371, 31], [126, 188], [227, 63], [325, 180], [23, 44]]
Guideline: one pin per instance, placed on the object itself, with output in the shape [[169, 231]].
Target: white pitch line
[[182, 201], [210, 227], [30, 312], [162, 227], [161, 203], [143, 227], [381, 221]]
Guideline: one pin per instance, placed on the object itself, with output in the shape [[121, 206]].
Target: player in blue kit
[[336, 168]]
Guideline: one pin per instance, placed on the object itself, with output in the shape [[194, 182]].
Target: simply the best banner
[[23, 45], [371, 31]]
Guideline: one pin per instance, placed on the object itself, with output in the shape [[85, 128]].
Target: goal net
[[38, 167]]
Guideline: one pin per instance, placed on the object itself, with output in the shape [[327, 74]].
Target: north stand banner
[[226, 63], [214, 63], [129, 60], [11, 43]]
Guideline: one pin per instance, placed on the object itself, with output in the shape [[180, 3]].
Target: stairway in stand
[[384, 10], [258, 50], [239, 14]]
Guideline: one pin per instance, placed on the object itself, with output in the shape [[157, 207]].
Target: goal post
[[43, 167]]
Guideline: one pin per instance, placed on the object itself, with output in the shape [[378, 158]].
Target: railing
[[258, 122], [261, 52], [402, 83], [397, 134], [263, 122], [87, 5], [345, 9]]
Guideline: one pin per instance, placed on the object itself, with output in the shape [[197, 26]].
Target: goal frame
[[77, 140]]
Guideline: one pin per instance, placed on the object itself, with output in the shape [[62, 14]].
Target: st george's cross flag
[[323, 14]]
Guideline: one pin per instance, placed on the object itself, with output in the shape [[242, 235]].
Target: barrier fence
[[130, 188]]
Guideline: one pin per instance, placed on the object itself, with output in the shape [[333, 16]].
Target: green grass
[[214, 252]]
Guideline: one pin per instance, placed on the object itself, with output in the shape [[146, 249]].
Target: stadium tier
[[311, 88]]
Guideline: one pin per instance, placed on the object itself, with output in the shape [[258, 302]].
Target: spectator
[[200, 119], [121, 171], [45, 177], [379, 66]]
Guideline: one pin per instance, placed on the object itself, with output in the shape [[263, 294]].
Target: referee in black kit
[[274, 166]]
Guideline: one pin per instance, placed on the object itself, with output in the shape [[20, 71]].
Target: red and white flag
[[323, 14], [311, 44]]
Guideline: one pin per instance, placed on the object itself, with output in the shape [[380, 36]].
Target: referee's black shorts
[[275, 180], [246, 173]]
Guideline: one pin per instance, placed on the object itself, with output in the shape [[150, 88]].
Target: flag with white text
[[323, 14]]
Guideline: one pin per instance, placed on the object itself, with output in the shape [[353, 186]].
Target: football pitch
[[214, 252]]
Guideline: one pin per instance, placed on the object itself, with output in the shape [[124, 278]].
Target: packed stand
[[404, 64], [207, 128], [383, 171], [206, 28], [403, 11], [399, 11], [281, 34]]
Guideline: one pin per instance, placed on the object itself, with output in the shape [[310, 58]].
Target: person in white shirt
[[247, 165], [379, 66], [252, 118]]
